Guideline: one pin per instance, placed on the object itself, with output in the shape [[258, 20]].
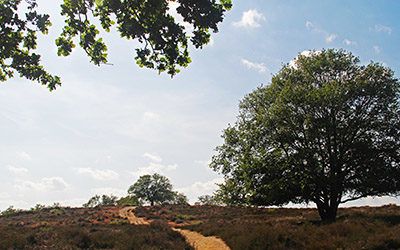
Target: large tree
[[325, 130], [164, 39], [155, 189]]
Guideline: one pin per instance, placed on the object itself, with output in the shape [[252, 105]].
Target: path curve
[[196, 240], [129, 213]]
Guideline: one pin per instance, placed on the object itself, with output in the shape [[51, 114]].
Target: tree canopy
[[164, 40], [325, 130], [156, 189], [99, 201]]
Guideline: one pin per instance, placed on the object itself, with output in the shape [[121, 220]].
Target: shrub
[[10, 211]]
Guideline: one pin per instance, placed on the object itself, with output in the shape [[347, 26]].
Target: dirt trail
[[201, 242], [196, 240], [129, 213]]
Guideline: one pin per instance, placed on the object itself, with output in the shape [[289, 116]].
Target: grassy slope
[[67, 228], [252, 228]]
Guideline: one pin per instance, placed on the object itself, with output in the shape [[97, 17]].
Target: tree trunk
[[151, 203], [327, 212]]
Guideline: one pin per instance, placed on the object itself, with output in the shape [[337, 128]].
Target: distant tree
[[180, 199], [326, 130], [155, 189], [164, 40], [104, 200], [37, 208], [129, 200], [10, 211], [211, 200]]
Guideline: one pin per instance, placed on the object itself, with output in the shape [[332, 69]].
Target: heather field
[[238, 227], [285, 228], [83, 228]]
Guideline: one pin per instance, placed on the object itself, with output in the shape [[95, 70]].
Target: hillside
[[240, 228], [83, 228], [286, 228]]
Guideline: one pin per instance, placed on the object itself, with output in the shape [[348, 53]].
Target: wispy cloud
[[200, 188], [310, 25], [260, 67], [329, 37], [349, 42], [152, 157], [383, 28], [98, 174], [44, 185], [377, 49], [24, 156], [153, 168], [250, 19], [17, 170]]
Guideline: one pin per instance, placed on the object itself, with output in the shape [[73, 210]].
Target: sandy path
[[129, 213], [196, 240], [201, 242]]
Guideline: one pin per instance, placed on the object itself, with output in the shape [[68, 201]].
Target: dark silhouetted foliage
[[164, 40]]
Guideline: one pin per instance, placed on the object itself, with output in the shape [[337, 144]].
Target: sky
[[105, 126]]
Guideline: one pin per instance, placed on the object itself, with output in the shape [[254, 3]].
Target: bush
[[99, 201], [10, 211]]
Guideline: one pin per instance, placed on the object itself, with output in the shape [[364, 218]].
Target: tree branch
[[355, 198]]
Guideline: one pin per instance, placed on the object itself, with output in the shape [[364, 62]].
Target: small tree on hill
[[180, 199], [209, 200], [155, 189], [129, 200], [104, 200], [326, 130]]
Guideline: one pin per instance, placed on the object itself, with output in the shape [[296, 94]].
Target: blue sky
[[107, 125]]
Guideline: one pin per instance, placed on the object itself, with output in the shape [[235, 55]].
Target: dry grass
[[253, 228], [67, 228]]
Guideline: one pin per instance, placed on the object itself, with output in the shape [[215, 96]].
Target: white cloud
[[44, 185], [349, 42], [17, 170], [250, 19], [153, 168], [383, 28], [329, 37], [25, 156], [260, 67], [200, 188], [98, 174], [377, 49], [309, 25], [152, 157], [306, 53]]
